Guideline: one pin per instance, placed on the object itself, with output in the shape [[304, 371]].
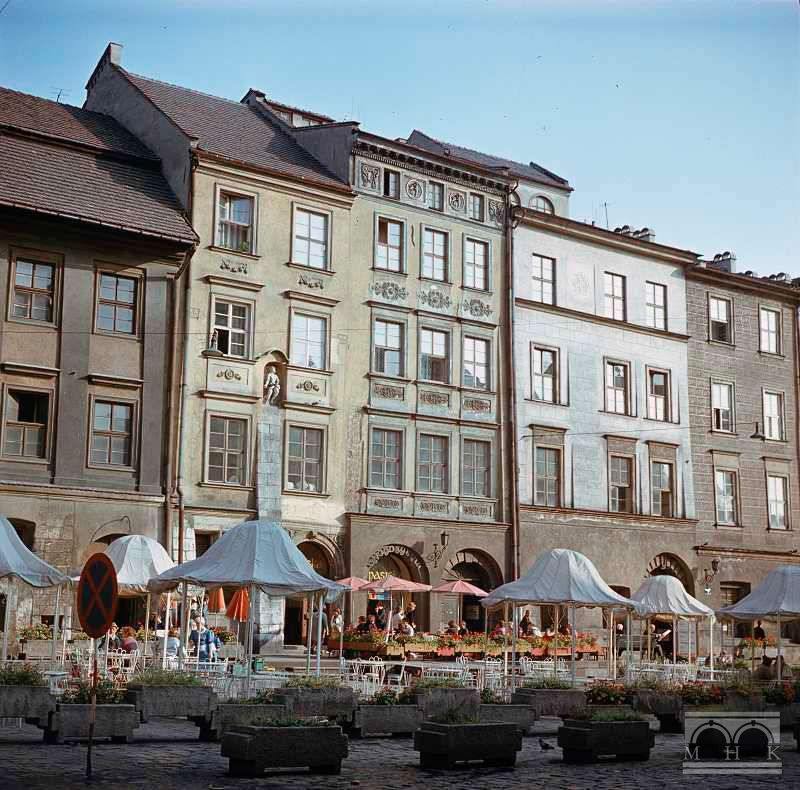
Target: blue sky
[[682, 115]]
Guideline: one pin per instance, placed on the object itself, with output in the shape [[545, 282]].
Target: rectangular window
[[476, 363], [116, 304], [722, 407], [434, 360], [719, 316], [389, 249], [614, 296], [475, 472], [391, 183], [547, 485], [232, 327], [235, 222], [386, 459], [305, 460], [773, 415], [311, 239], [620, 477], [727, 506], [476, 264], [617, 387], [545, 375], [778, 500], [543, 279], [227, 450], [112, 432], [476, 207], [732, 593], [25, 430], [32, 298], [432, 464], [662, 492], [656, 307], [770, 323], [658, 394], [436, 195], [308, 341], [434, 254], [389, 348]]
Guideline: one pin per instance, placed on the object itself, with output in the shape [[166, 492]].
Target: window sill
[[477, 390], [388, 271], [226, 251], [484, 291], [723, 343], [618, 414], [717, 525], [545, 402], [428, 383], [779, 530], [776, 441], [376, 374], [303, 369], [314, 494], [304, 267], [111, 468], [225, 486], [211, 354], [17, 459], [33, 322], [662, 422], [771, 354], [717, 432], [121, 335], [434, 281]]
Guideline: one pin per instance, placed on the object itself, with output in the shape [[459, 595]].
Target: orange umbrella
[[239, 606], [216, 600]]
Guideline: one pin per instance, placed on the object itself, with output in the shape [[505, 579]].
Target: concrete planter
[[667, 708], [335, 703], [193, 702], [37, 648], [444, 745], [551, 702], [71, 722], [387, 720], [585, 741], [231, 714], [252, 749], [789, 714], [796, 729], [464, 702], [523, 716], [34, 703]]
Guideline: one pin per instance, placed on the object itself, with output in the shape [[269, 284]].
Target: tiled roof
[[233, 130], [532, 171]]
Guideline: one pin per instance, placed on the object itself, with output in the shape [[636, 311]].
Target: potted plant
[[661, 700], [387, 713], [25, 694], [550, 697], [309, 695], [237, 712], [284, 743], [165, 692], [437, 696], [495, 708], [621, 734], [781, 697], [603, 695], [36, 641]]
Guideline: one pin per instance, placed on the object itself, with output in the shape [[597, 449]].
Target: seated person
[[462, 629], [174, 644], [406, 629], [362, 627], [764, 671], [452, 629], [129, 643], [112, 637]]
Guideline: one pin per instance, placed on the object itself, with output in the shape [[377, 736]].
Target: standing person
[[758, 631], [525, 623], [380, 616], [314, 624], [411, 614], [201, 640], [337, 621]]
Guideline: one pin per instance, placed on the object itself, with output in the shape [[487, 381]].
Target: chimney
[[645, 234], [114, 53], [724, 262]]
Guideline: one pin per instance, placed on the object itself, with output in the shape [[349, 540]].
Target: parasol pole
[[505, 642], [389, 620], [574, 644], [649, 652], [250, 619], [778, 659], [166, 633], [674, 640], [309, 626], [55, 622], [7, 619], [341, 634], [146, 630], [515, 626], [184, 626], [711, 643], [752, 646], [319, 634]]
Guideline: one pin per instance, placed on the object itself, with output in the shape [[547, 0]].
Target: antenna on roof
[[605, 206], [59, 92]]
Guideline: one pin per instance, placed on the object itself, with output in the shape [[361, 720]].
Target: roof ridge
[[181, 87]]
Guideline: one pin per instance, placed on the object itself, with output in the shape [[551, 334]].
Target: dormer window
[[541, 203]]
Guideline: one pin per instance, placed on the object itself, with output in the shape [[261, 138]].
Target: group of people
[[403, 621]]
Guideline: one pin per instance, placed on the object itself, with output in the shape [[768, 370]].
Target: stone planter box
[[667, 708], [523, 716], [252, 749], [551, 702], [196, 703], [609, 708], [585, 741], [796, 729], [34, 703], [38, 648], [231, 714], [335, 703], [789, 713], [437, 701], [70, 722], [444, 745], [387, 720]]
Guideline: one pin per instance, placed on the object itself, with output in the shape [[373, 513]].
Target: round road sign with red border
[[97, 595]]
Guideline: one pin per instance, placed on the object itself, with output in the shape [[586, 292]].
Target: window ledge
[[716, 432], [617, 414], [771, 354], [226, 251], [776, 441], [661, 422], [717, 525], [427, 383], [484, 291], [18, 459], [121, 335], [434, 281], [388, 271], [306, 268], [723, 343], [546, 402], [210, 353], [314, 494], [779, 531], [477, 390], [111, 468], [225, 486], [374, 374], [33, 322], [303, 369]]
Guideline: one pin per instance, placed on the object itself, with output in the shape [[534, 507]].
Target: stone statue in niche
[[272, 385], [213, 341]]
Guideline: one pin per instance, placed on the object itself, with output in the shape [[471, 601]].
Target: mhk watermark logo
[[728, 742]]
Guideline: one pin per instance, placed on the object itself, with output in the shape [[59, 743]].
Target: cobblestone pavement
[[166, 755]]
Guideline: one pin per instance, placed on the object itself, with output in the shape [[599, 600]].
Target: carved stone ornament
[[580, 284], [229, 374], [433, 507], [415, 189], [369, 176], [435, 299], [497, 211], [477, 404], [434, 398], [311, 282], [272, 386], [401, 551], [390, 504], [389, 392], [457, 201], [234, 267], [476, 510], [477, 308], [389, 290], [307, 386]]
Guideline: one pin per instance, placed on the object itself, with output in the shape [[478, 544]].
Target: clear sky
[[682, 115]]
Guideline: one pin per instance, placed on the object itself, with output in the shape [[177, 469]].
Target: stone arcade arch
[[666, 564], [478, 568]]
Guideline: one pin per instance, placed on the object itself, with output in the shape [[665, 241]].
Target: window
[[476, 363], [227, 450], [391, 184], [621, 484], [112, 427], [235, 222], [719, 312], [116, 304], [432, 467], [658, 395], [773, 415], [614, 296], [656, 308], [389, 249], [232, 327], [476, 269], [545, 375], [541, 203], [543, 273], [25, 430], [389, 348], [475, 472], [661, 489], [32, 299], [476, 206], [547, 483], [769, 321], [308, 341], [436, 195], [311, 239], [722, 407], [385, 469], [731, 593], [203, 541], [305, 460], [434, 362], [727, 506], [434, 255], [778, 500], [617, 387]]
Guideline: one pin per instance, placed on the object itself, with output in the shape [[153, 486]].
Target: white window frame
[[716, 404], [446, 482], [435, 187], [541, 203], [540, 284], [384, 458], [378, 244], [446, 259], [657, 510], [382, 319], [486, 471], [536, 352], [487, 364], [448, 352], [210, 415], [476, 199], [774, 421], [388, 172], [247, 332], [608, 367], [615, 298], [768, 333], [773, 502], [655, 312], [734, 496], [653, 400], [311, 212], [559, 453], [224, 190], [323, 451], [469, 280], [296, 338], [631, 487], [713, 318]]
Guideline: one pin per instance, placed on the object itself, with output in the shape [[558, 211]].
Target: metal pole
[[55, 623], [319, 633], [649, 651], [515, 626], [674, 640], [166, 634], [146, 631], [778, 659], [184, 626], [505, 643], [309, 626], [7, 619], [574, 644], [711, 644], [341, 634], [250, 621]]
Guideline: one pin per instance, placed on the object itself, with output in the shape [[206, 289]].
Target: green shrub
[[36, 631], [25, 675], [81, 694], [313, 682], [385, 696], [439, 683], [604, 693], [609, 715], [696, 693], [782, 694], [453, 716], [288, 721], [546, 683], [225, 636], [164, 677], [489, 697]]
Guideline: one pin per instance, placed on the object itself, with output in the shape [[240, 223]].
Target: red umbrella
[[216, 600], [239, 606], [392, 584], [352, 582], [460, 587]]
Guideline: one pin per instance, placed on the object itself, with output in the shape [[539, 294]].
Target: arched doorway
[[321, 560], [671, 565], [477, 568], [404, 563], [26, 531]]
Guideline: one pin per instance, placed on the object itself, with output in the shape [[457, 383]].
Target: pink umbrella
[[352, 583], [461, 588], [392, 584]]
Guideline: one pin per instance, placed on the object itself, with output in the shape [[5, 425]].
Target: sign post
[[97, 605]]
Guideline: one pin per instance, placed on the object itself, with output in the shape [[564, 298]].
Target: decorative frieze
[[497, 211], [476, 308], [477, 404], [389, 391], [388, 503], [436, 300], [475, 509], [432, 506], [234, 267], [391, 291], [307, 386], [398, 550], [229, 374], [415, 190], [434, 398], [311, 282], [370, 175], [457, 201]]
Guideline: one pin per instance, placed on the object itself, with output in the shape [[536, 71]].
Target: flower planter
[[538, 652], [444, 745], [421, 647], [445, 652], [232, 714], [196, 703], [71, 722], [523, 716], [335, 703], [438, 701], [610, 708], [33, 703], [252, 749], [551, 702], [788, 712], [386, 720], [585, 741], [37, 648], [667, 708]]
